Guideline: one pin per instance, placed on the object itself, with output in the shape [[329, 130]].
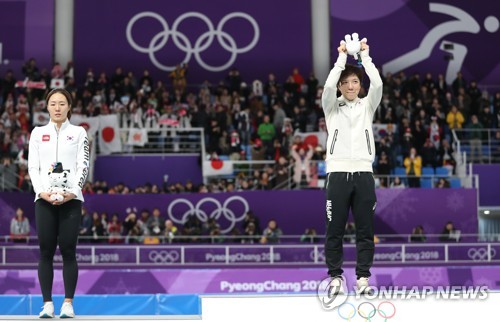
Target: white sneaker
[[336, 286], [363, 286], [67, 311], [48, 311]]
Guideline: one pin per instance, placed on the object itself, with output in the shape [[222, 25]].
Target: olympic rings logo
[[480, 254], [366, 311], [163, 256], [183, 43], [220, 210]]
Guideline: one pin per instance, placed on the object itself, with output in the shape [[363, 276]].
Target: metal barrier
[[251, 255], [167, 140], [480, 145]]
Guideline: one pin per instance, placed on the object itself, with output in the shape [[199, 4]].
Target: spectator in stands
[[445, 156], [475, 134], [455, 118], [85, 231], [114, 230], [129, 223], [251, 234], [429, 154], [192, 228], [413, 165], [8, 173], [442, 183], [97, 229], [383, 165], [170, 231], [281, 171], [309, 236], [155, 223], [19, 227], [418, 235], [449, 233], [302, 165], [397, 183], [267, 132], [486, 117], [272, 233]]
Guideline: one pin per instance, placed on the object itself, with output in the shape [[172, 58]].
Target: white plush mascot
[[353, 44], [58, 179]]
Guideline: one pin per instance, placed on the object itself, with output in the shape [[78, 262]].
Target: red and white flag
[[109, 134], [40, 118], [217, 167], [137, 137], [313, 138], [56, 83], [90, 124]]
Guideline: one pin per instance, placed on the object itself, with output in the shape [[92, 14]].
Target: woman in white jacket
[[58, 164]]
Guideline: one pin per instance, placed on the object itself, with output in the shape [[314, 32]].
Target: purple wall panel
[[250, 280], [147, 169], [398, 210], [257, 37], [418, 29], [26, 31], [489, 177]]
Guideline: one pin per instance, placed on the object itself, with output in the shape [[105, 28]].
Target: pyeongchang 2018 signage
[[441, 36], [211, 37], [26, 31]]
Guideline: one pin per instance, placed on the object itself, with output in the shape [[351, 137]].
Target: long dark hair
[[63, 92]]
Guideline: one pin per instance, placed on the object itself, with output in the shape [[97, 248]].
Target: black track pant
[[58, 225], [346, 191]]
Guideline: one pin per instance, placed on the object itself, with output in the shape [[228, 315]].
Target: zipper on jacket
[[333, 141], [368, 142], [57, 143]]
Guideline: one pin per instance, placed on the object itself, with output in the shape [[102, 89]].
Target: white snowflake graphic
[[485, 282], [454, 202], [396, 205], [120, 288]]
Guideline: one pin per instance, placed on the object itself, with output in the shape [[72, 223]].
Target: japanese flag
[[313, 138], [40, 118], [90, 124], [137, 137], [109, 134], [217, 167], [56, 83]]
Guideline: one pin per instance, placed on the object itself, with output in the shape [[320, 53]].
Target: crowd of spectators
[[150, 227], [254, 119]]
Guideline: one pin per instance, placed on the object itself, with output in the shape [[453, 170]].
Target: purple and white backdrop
[[257, 37], [422, 35], [26, 31], [250, 280]]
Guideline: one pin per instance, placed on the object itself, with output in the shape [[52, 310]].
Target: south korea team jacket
[[68, 145]]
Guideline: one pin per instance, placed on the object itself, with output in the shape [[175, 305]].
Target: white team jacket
[[350, 144], [69, 146]]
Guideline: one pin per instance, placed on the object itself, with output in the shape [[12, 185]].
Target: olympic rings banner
[[256, 37], [441, 36], [398, 210], [26, 31]]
